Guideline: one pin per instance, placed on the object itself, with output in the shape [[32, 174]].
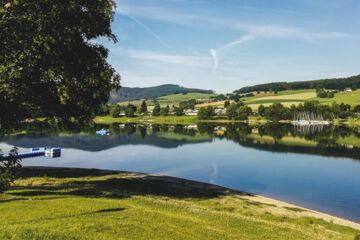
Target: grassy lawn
[[93, 204]]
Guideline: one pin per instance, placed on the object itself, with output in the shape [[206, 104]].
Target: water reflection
[[239, 156], [335, 141]]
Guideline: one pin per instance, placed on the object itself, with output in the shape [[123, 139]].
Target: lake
[[316, 167]]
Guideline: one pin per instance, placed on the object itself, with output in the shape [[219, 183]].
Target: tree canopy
[[50, 61]]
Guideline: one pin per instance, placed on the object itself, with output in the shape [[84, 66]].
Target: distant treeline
[[334, 83], [130, 94]]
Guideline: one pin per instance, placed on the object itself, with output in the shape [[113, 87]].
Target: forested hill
[[334, 83], [129, 94]]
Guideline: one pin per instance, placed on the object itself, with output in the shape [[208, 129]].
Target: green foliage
[[156, 110], [49, 61], [131, 94], [143, 107], [238, 111], [277, 111], [104, 110], [261, 110], [165, 111], [226, 104], [190, 104], [130, 110], [178, 111], [9, 169], [115, 110], [337, 84], [220, 97], [321, 93], [206, 112]]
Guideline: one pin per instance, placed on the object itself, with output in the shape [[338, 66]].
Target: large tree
[[50, 61]]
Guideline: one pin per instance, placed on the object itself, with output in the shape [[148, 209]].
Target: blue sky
[[227, 44]]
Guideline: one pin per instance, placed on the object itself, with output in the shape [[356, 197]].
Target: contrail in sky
[[213, 52], [243, 39], [146, 28], [216, 60]]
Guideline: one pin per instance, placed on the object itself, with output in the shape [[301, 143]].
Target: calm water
[[315, 168]]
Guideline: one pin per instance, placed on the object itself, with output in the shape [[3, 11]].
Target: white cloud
[[273, 31], [200, 18]]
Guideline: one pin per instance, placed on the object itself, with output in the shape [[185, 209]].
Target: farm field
[[287, 98], [351, 98], [170, 100], [290, 97]]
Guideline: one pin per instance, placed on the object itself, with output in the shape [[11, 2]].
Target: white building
[[190, 112], [220, 111]]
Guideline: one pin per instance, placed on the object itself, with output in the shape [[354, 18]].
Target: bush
[[9, 169], [206, 112], [115, 111]]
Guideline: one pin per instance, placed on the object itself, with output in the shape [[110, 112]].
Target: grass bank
[[171, 120], [92, 204]]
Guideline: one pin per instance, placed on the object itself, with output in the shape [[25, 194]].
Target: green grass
[[171, 120], [184, 120], [296, 97], [90, 204], [352, 98], [172, 99]]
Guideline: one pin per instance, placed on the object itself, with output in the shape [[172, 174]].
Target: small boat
[[103, 132]]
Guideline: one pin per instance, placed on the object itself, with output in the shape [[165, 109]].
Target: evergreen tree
[[156, 110], [143, 107]]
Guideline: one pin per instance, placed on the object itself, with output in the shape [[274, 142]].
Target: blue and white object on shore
[[103, 132], [53, 152], [38, 152]]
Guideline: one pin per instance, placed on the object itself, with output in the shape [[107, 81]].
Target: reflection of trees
[[206, 128], [275, 130], [237, 131], [142, 130], [181, 129], [155, 128], [326, 137]]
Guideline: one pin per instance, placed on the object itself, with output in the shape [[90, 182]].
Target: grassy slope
[[89, 204], [172, 99], [290, 97], [352, 98]]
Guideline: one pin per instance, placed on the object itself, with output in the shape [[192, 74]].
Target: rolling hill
[[130, 94], [334, 83]]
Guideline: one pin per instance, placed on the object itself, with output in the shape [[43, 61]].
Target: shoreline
[[207, 188], [190, 120]]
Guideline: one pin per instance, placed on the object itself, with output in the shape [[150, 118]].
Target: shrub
[[9, 169]]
